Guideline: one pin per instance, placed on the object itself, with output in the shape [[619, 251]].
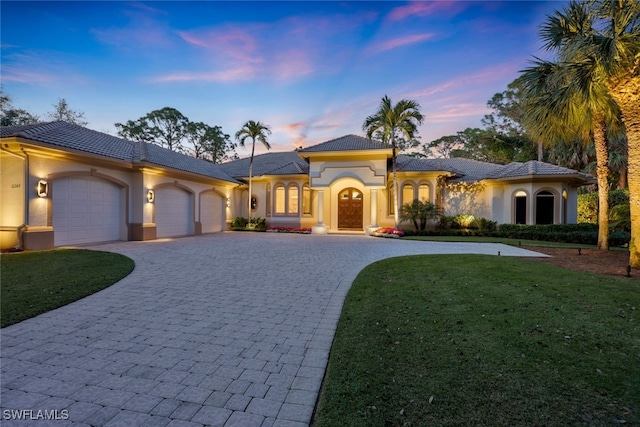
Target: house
[[64, 184]]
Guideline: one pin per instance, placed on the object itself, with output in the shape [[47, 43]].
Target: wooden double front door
[[350, 209]]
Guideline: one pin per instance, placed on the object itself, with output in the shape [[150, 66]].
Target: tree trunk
[[396, 210], [622, 179], [253, 147], [602, 172], [626, 94], [540, 152]]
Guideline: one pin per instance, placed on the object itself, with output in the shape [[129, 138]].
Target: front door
[[350, 209]]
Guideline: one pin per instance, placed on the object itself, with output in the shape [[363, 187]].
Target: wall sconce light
[[228, 202], [151, 196], [42, 189]]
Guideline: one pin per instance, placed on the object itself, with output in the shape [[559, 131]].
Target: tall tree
[[166, 127], [256, 131], [62, 111], [12, 116], [509, 114], [598, 49], [390, 123], [210, 143]]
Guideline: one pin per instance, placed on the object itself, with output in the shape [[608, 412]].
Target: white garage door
[[211, 213], [173, 212], [86, 210]]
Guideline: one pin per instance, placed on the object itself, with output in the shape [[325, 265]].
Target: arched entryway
[[350, 209]]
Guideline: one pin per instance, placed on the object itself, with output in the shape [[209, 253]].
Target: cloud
[[283, 51], [471, 82], [423, 8], [230, 75], [399, 42], [25, 75]]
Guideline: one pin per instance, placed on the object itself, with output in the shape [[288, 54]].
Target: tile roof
[[70, 136], [287, 163], [163, 157], [532, 167], [67, 135], [417, 164], [346, 143]]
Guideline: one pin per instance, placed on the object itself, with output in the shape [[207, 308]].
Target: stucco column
[[320, 228], [374, 207], [373, 194]]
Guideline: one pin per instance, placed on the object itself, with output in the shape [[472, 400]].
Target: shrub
[[258, 224], [238, 223], [464, 220], [567, 233], [588, 204], [419, 213]]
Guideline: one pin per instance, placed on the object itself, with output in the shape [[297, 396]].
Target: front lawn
[[36, 282], [481, 340]]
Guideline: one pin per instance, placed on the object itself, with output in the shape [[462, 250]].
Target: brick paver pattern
[[230, 329]]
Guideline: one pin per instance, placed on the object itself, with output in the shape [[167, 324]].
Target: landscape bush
[[568, 233], [242, 224]]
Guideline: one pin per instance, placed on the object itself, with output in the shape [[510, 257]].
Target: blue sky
[[311, 70]]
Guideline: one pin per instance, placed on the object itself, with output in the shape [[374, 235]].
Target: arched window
[[279, 193], [286, 200], [407, 193], [423, 193], [520, 207], [306, 200], [268, 200], [545, 207], [294, 199]]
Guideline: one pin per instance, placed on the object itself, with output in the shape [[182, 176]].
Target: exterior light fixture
[[42, 189], [228, 202], [151, 196]]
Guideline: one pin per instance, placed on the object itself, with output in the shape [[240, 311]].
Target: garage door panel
[[211, 213], [86, 210], [173, 212]]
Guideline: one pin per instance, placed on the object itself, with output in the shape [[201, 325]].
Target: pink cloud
[[228, 41], [471, 81], [399, 42], [423, 8], [19, 75], [230, 75]]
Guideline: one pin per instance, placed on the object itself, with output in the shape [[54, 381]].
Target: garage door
[[211, 213], [173, 212], [86, 210]]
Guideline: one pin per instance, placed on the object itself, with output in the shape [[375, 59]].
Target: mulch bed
[[609, 263]]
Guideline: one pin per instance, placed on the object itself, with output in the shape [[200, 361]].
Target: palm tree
[[255, 131], [392, 122], [595, 81]]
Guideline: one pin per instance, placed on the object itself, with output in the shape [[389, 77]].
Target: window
[[390, 192], [407, 193], [293, 199], [423, 193], [545, 207], [279, 192], [520, 207], [286, 199], [306, 200]]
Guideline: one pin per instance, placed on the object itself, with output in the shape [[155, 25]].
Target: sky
[[311, 70]]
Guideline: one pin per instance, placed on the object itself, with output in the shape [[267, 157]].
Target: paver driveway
[[232, 329]]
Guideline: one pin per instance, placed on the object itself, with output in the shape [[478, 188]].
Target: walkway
[[232, 329]]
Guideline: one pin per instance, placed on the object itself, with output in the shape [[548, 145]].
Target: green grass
[[507, 241], [477, 340], [36, 282]]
